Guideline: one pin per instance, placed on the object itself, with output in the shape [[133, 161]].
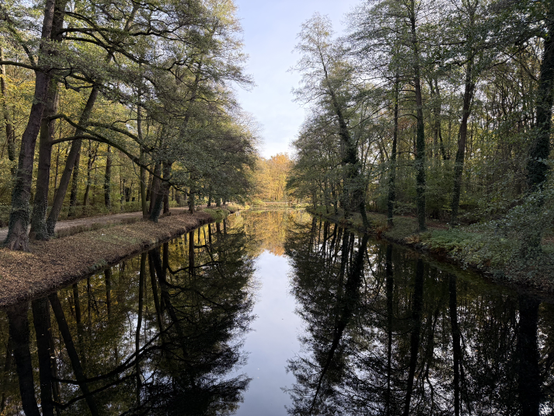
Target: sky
[[272, 341], [270, 28]]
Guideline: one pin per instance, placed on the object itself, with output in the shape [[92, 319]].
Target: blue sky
[[270, 29]]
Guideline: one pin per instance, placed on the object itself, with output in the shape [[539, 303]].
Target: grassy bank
[[61, 261], [495, 249]]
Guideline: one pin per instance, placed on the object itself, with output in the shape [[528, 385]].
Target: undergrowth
[[218, 214], [498, 246]]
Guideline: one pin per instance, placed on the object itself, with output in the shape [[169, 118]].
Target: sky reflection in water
[[362, 327], [273, 340]]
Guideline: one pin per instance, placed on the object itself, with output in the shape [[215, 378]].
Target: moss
[[218, 214], [100, 264]]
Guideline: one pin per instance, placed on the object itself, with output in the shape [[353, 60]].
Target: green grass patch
[[482, 250], [258, 202], [100, 264], [218, 214]]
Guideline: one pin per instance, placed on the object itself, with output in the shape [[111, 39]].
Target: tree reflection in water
[[388, 334], [159, 334]]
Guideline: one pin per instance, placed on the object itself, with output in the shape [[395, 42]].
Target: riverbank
[[61, 261], [486, 249]]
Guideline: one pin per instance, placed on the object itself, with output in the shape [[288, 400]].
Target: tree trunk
[[349, 157], [537, 167], [70, 163], [460, 155], [420, 132], [158, 197], [17, 238], [190, 201], [92, 153], [108, 181], [72, 212], [392, 178], [155, 187], [40, 205], [166, 199], [8, 123]]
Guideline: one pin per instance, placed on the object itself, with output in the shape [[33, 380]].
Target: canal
[[275, 313]]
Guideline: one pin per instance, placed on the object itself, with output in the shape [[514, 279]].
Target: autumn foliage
[[271, 178]]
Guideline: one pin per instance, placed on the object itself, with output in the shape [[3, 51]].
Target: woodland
[[119, 105], [437, 109]]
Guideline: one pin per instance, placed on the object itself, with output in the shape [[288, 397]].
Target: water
[[273, 312]]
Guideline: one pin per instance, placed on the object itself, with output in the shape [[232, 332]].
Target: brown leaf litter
[[58, 262]]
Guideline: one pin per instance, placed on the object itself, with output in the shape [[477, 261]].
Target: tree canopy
[[142, 93], [447, 104]]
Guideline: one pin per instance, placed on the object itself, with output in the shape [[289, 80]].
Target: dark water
[[274, 312]]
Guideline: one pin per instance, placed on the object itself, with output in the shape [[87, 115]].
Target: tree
[[170, 97], [326, 81], [271, 176], [17, 238]]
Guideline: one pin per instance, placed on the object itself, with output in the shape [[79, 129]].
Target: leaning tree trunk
[[76, 145], [69, 164], [17, 238], [351, 162], [460, 155]]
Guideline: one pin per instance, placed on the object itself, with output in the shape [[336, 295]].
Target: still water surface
[[272, 313]]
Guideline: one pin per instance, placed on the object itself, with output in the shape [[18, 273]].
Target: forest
[[438, 109], [119, 106], [435, 109]]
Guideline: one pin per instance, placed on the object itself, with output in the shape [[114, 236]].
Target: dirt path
[[88, 222]]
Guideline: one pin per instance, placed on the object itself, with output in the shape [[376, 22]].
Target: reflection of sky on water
[[273, 340]]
